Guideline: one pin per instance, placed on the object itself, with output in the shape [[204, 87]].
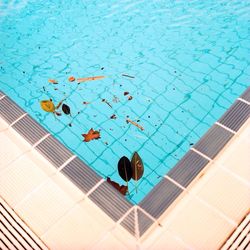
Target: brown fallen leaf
[[130, 97], [122, 189], [91, 78], [91, 135], [126, 93], [53, 81]]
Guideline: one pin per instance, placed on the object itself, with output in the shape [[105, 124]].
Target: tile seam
[[235, 175], [66, 163], [18, 119], [201, 154], [203, 201], [2, 97], [243, 100], [39, 141], [94, 188], [225, 127]]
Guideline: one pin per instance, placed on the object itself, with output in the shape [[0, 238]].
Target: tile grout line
[[243, 100], [39, 141], [203, 201], [94, 187], [60, 218], [226, 128], [200, 153], [18, 119], [66, 163], [236, 176], [27, 196]]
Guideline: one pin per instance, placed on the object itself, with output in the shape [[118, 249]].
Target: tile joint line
[[243, 100], [225, 127], [95, 187], [200, 153], [66, 163], [43, 138], [18, 119]]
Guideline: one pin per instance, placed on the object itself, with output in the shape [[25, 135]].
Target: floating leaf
[[91, 135], [126, 93], [130, 98], [48, 106], [122, 189], [66, 109], [137, 167], [124, 168]]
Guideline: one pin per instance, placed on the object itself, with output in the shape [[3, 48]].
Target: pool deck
[[203, 216]]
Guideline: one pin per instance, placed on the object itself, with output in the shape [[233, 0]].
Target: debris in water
[[44, 88], [128, 76], [102, 68], [70, 124], [135, 124], [66, 109], [113, 116], [85, 103], [71, 79], [122, 189], [91, 78], [91, 135], [104, 100], [115, 99], [53, 81], [130, 97], [126, 93]]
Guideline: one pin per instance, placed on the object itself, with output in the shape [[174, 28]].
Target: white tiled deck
[[63, 218]]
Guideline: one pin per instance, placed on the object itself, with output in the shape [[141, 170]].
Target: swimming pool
[[189, 60]]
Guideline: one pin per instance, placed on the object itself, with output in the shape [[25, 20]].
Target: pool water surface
[[183, 63]]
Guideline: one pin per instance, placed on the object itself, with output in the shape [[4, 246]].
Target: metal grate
[[131, 221], [14, 234], [246, 95], [188, 168], [10, 111], [81, 175], [213, 141], [30, 129], [236, 116], [54, 151], [160, 198], [240, 238], [110, 201]]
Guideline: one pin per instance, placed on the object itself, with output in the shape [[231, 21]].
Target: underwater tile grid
[[146, 213], [189, 60]]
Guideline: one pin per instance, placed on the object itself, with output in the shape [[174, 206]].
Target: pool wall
[[137, 219]]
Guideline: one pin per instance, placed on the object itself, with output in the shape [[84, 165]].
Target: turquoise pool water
[[189, 59]]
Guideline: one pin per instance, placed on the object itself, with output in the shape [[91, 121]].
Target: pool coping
[[136, 219]]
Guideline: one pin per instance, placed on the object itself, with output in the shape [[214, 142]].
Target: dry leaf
[[91, 135]]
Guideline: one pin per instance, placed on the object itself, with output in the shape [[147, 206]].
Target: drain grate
[[240, 238], [14, 234]]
